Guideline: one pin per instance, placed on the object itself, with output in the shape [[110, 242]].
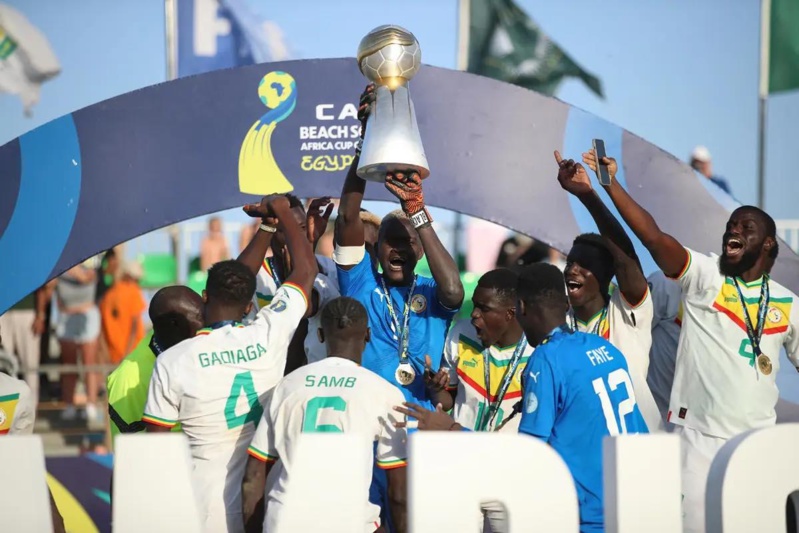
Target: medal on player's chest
[[404, 374], [764, 364]]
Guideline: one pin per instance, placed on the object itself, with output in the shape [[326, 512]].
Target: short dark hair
[[503, 281], [344, 313], [230, 283], [595, 240], [542, 285], [294, 201], [765, 218]]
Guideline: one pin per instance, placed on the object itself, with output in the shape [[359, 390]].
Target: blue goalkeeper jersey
[[577, 390], [429, 322]]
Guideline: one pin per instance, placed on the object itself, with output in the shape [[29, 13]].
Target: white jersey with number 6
[[214, 386], [334, 395]]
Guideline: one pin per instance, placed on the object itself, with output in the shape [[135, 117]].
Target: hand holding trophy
[[390, 56]]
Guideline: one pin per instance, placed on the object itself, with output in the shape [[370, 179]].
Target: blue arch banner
[[126, 166]]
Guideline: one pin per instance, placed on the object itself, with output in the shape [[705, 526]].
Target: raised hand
[[572, 176], [435, 381], [261, 210], [407, 187], [366, 105], [589, 158], [319, 212]]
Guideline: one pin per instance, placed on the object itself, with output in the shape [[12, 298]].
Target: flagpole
[[762, 107], [463, 64], [171, 38]]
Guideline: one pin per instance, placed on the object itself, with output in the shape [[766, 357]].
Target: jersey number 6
[[310, 420], [625, 407]]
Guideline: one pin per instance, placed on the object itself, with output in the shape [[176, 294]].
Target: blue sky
[[676, 73]]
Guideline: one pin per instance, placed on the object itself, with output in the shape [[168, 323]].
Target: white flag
[[26, 58]]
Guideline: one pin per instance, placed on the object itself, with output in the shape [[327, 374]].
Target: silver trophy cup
[[390, 56]]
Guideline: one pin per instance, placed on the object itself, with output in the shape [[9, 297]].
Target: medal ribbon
[[597, 324], [762, 308], [493, 407], [402, 333], [273, 271]]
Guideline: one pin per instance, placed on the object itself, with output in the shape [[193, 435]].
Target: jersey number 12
[[625, 407]]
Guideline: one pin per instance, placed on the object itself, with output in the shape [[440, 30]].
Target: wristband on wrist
[[268, 229], [421, 218]]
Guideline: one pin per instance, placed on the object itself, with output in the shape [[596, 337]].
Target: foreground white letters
[[327, 491], [750, 480], [152, 484], [452, 472], [642, 483], [24, 502]]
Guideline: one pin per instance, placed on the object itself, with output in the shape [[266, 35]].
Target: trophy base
[[377, 172]]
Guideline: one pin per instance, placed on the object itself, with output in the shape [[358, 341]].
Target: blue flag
[[218, 34]]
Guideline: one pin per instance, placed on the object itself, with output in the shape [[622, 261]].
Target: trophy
[[390, 56]]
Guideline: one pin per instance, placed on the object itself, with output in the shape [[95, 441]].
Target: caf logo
[[774, 315], [418, 303]]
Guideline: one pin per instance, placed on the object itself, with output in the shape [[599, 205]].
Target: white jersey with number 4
[[214, 385], [719, 388], [334, 395]]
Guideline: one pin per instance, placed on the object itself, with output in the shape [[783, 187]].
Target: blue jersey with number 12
[[577, 391]]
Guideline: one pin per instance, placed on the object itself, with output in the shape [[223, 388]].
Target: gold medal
[[405, 374], [764, 364]]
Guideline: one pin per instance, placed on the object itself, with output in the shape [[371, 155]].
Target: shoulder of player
[[462, 328]]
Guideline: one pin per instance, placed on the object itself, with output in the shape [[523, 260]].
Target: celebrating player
[[577, 389], [214, 383], [625, 317], [333, 395], [409, 315], [735, 321], [270, 272], [486, 357]]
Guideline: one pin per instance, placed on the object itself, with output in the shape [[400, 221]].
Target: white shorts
[[697, 451]]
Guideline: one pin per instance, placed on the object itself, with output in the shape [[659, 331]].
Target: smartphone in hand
[[601, 170]]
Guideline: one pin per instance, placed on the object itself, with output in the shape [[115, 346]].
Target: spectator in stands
[[78, 330], [247, 232], [214, 247], [22, 325], [121, 311], [106, 273], [702, 163]]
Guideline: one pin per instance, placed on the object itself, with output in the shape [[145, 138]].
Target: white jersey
[[17, 407], [465, 359], [325, 285], [718, 388], [332, 395], [665, 337], [214, 385], [629, 328]]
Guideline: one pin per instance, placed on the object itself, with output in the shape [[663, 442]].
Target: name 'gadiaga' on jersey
[[250, 353]]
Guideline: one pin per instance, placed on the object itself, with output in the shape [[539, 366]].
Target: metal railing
[[788, 230]]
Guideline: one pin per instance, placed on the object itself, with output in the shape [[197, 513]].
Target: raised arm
[[397, 498], [667, 252], [304, 266], [408, 189], [574, 179], [349, 227], [253, 255]]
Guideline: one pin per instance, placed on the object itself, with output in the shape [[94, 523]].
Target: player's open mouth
[[396, 263], [733, 247], [573, 286]]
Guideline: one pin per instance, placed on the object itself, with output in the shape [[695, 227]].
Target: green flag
[[505, 44], [783, 72]]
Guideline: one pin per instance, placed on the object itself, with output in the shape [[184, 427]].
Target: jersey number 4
[[242, 383], [317, 403], [625, 407]]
